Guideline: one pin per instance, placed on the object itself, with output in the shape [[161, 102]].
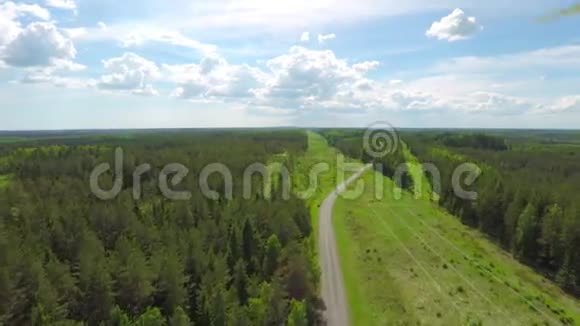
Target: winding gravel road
[[333, 292]]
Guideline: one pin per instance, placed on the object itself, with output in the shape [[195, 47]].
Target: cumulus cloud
[[39, 44], [454, 27], [305, 73], [9, 29], [10, 12], [325, 37], [40, 50], [62, 4], [366, 66], [213, 77], [305, 37], [129, 73], [305, 78], [302, 78]]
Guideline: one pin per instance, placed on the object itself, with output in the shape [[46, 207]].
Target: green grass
[[318, 152], [408, 262], [4, 180]]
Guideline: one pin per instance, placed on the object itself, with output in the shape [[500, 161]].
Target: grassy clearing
[[408, 262], [318, 152]]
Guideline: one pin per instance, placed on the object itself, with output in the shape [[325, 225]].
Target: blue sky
[[80, 64]]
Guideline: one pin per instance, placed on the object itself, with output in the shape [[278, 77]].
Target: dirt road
[[333, 292]]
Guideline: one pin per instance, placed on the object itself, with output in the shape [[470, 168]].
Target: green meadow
[[407, 262]]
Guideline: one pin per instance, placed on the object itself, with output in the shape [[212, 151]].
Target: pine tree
[[550, 240], [95, 283], [297, 315], [134, 278], [151, 317], [179, 318], [526, 233], [241, 280], [171, 290], [273, 248], [249, 246]]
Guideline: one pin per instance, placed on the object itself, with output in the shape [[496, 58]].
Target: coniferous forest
[[67, 257], [140, 258]]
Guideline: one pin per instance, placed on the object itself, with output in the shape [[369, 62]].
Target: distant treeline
[[68, 258], [479, 141], [350, 143], [528, 195]]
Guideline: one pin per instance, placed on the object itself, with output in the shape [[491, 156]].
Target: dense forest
[[67, 257], [528, 191]]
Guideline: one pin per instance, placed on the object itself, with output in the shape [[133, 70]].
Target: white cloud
[[305, 78], [215, 78], [562, 105], [308, 74], [102, 26], [454, 27], [135, 35], [144, 35], [148, 90], [302, 78], [62, 4], [129, 72], [412, 100], [494, 103], [39, 44], [9, 29], [64, 65], [305, 37], [325, 37], [10, 12], [75, 32], [366, 66]]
